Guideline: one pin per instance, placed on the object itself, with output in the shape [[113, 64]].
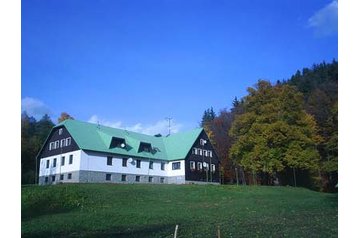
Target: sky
[[132, 64]]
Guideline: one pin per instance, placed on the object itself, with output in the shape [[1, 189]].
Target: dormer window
[[146, 147], [118, 143]]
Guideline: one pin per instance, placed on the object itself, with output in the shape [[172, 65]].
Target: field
[[110, 210]]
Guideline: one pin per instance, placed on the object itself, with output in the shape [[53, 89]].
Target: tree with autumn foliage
[[274, 132], [64, 116]]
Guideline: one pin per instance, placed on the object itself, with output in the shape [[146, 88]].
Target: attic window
[[60, 131], [146, 147], [118, 142]]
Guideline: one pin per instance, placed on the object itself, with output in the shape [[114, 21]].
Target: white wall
[[75, 166], [92, 161], [177, 172]]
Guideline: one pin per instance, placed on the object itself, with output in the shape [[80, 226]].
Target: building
[[81, 152]]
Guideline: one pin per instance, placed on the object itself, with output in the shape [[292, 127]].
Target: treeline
[[284, 133], [33, 135]]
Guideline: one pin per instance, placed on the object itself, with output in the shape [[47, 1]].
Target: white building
[[81, 152]]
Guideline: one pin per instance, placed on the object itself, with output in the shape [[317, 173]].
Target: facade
[[81, 152]]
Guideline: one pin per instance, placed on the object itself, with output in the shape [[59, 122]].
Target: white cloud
[[34, 107], [96, 119], [160, 127], [325, 21]]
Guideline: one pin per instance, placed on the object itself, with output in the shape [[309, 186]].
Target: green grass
[[109, 210]]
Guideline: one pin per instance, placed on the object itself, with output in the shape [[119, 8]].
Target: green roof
[[89, 136]]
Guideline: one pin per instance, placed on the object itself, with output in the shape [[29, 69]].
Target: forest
[[282, 133]]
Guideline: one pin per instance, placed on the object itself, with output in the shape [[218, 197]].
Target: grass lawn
[[112, 210]]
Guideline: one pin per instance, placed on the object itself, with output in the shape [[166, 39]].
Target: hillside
[[108, 210]]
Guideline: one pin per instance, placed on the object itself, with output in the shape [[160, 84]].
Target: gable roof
[[89, 136]]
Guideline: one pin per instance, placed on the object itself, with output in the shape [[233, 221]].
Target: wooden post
[[237, 177], [218, 231], [176, 231]]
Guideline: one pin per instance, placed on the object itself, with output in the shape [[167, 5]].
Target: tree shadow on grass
[[160, 231]]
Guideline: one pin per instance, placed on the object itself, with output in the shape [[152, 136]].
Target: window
[[146, 147], [137, 178], [192, 165], [57, 144], [213, 168], [69, 176], [68, 141], [62, 144], [109, 160], [202, 142], [70, 160], [176, 166], [138, 163], [200, 151], [54, 162], [124, 177], [62, 160], [194, 151], [150, 179], [53, 178], [108, 177], [210, 153], [61, 176], [162, 166], [161, 180], [60, 131], [205, 153], [51, 146], [47, 164], [118, 142], [200, 165], [150, 164], [124, 162], [46, 179]]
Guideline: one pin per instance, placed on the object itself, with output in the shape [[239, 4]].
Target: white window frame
[[60, 131], [205, 153], [213, 168], [176, 164], [200, 151], [68, 141], [192, 165], [57, 144], [70, 160], [200, 166]]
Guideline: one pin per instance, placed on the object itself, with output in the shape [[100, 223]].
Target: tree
[[64, 116], [208, 116], [33, 135], [274, 132]]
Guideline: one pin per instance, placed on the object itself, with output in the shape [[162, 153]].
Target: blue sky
[[130, 64]]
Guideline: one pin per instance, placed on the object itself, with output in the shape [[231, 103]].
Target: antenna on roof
[[169, 119]]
